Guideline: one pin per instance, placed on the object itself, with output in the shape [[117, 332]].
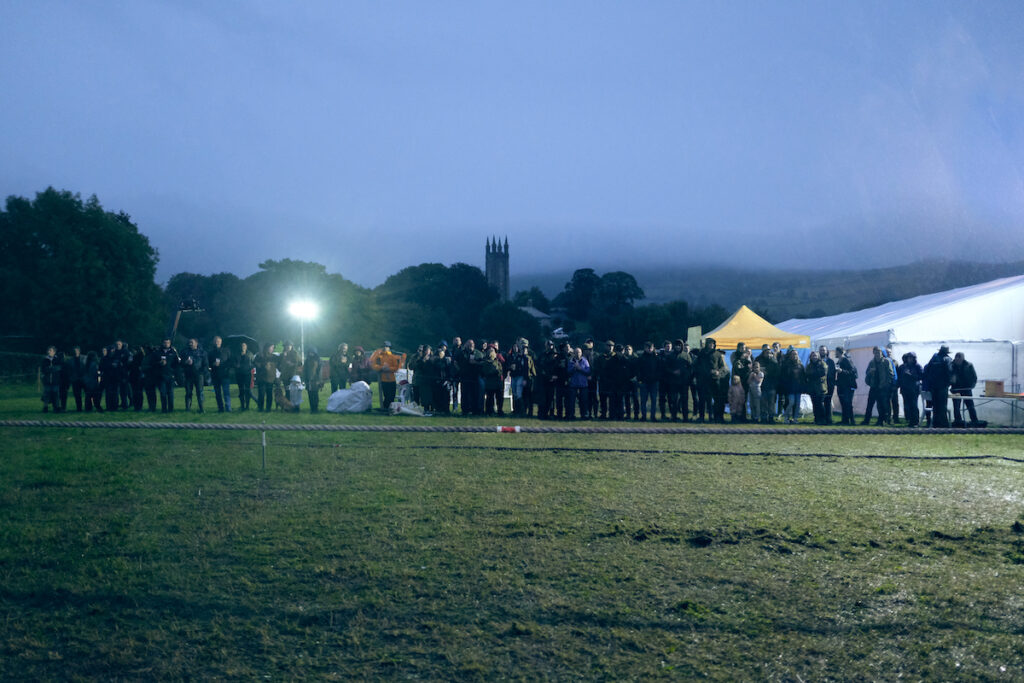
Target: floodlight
[[304, 310]]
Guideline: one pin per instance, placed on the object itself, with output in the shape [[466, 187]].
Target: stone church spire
[[496, 268]]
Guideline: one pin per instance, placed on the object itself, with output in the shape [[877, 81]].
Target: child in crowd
[[737, 399], [754, 381]]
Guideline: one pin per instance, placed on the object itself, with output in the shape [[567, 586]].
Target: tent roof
[[535, 312], [746, 326], [990, 310]]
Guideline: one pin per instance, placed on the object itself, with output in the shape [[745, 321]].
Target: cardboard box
[[994, 387]]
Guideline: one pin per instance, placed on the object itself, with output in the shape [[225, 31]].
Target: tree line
[[74, 273]]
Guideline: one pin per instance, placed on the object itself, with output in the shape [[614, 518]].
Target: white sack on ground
[[355, 399]]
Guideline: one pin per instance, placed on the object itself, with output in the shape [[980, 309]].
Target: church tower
[[497, 267]]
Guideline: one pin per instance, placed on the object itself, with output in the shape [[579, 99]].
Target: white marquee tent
[[984, 321]]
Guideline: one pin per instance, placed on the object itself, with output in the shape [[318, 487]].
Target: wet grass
[[155, 555]]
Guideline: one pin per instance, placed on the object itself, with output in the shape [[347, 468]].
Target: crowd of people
[[560, 382]]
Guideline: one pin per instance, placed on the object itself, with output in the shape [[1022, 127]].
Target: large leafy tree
[[217, 295], [267, 293], [532, 297], [611, 311], [505, 322], [258, 305], [658, 322], [429, 302], [616, 293], [73, 273], [578, 295]]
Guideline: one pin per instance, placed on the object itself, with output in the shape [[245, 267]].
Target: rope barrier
[[653, 451], [492, 429]]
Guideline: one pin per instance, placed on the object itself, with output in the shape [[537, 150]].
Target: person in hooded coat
[[312, 378], [938, 375], [816, 380], [909, 379]]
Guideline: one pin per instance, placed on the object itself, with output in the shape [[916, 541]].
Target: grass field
[[149, 555]]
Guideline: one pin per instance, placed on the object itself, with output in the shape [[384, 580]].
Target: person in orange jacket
[[385, 362]]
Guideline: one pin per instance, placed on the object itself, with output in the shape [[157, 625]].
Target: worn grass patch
[[153, 555]]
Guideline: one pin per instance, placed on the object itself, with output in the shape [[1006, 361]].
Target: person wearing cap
[[386, 363], [846, 385], [965, 378], [938, 375]]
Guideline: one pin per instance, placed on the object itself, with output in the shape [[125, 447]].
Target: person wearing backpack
[[846, 384], [938, 375]]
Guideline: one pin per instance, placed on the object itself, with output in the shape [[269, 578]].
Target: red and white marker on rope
[[508, 430]]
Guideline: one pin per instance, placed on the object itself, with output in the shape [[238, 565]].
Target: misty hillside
[[783, 294]]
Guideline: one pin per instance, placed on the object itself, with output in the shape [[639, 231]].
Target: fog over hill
[[783, 294]]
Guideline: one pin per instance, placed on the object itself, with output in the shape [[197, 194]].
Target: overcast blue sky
[[373, 136]]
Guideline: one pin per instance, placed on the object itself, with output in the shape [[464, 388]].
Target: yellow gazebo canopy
[[746, 326]]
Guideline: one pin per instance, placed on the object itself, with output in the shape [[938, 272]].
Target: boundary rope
[[653, 451], [483, 429]]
